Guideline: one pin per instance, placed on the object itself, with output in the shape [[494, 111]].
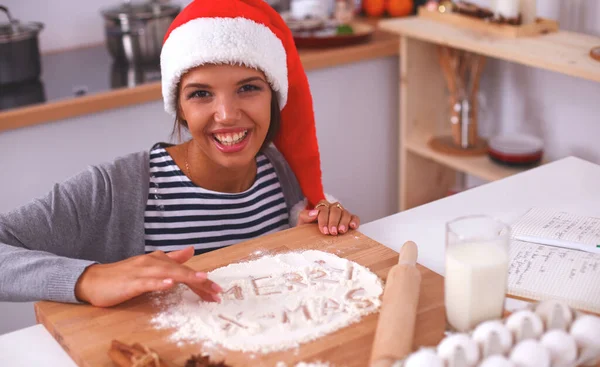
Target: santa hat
[[250, 33]]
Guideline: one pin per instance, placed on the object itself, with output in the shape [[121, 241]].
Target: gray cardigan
[[95, 216]]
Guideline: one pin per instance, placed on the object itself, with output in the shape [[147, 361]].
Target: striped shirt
[[179, 214]]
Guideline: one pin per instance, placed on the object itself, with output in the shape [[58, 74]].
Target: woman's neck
[[207, 174]]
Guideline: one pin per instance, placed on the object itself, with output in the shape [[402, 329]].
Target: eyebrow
[[206, 86], [251, 79], [196, 85]]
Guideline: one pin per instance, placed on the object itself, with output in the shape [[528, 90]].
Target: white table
[[570, 184]]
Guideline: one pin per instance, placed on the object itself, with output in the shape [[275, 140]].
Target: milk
[[475, 282]]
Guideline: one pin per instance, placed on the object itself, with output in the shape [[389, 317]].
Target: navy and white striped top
[[179, 213]]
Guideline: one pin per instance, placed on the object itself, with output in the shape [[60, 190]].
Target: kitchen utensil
[[135, 31], [22, 94], [19, 50], [131, 75], [395, 328], [516, 149], [462, 73]]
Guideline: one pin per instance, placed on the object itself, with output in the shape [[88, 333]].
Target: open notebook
[[554, 255]]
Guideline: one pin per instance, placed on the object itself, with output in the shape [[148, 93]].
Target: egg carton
[[546, 334]]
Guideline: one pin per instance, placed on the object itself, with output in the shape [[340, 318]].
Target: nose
[[227, 110]]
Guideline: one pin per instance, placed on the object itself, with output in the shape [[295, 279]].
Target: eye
[[250, 88], [199, 94]]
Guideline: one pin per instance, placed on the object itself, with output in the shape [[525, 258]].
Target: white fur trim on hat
[[301, 205], [237, 41]]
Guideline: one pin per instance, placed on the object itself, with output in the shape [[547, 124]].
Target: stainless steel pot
[[135, 32], [22, 94], [19, 50], [131, 75]]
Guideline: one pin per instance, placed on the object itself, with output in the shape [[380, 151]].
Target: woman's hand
[[332, 218], [106, 285]]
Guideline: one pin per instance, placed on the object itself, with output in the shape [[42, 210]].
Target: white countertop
[[570, 184]]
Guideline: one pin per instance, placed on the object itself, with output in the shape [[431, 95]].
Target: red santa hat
[[250, 33]]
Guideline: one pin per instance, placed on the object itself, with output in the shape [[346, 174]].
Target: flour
[[273, 303]]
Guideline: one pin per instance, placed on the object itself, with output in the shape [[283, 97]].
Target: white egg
[[555, 314], [586, 331], [497, 361], [448, 348], [484, 337], [525, 324], [425, 357], [530, 353], [561, 346]]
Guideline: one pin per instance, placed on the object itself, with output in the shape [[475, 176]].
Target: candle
[[528, 11], [507, 8]]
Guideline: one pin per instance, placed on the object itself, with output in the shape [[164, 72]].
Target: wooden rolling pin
[[396, 325]]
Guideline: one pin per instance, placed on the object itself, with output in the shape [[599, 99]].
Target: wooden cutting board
[[85, 332]]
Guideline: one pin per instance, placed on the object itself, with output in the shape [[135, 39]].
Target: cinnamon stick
[[136, 355]]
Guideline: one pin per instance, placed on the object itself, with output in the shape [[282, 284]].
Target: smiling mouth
[[230, 139]]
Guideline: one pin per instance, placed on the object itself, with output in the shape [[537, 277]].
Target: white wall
[[356, 111]]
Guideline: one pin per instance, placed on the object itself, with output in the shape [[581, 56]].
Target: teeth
[[230, 139]]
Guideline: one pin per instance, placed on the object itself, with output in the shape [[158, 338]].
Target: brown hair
[[274, 124]]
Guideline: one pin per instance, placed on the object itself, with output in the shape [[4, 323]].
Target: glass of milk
[[476, 271]]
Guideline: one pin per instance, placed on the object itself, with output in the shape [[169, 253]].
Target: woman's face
[[228, 112]]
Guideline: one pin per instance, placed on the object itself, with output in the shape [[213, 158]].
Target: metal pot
[[19, 50], [22, 94], [135, 32], [131, 75]]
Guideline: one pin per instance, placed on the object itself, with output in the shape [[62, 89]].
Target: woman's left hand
[[332, 218]]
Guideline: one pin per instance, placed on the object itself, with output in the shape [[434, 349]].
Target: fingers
[[161, 267], [181, 256], [334, 220], [335, 214], [345, 221], [207, 290], [307, 216], [206, 293], [323, 220], [354, 222], [164, 268], [143, 285]]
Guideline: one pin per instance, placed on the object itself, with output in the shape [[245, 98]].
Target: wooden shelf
[[426, 175], [481, 167], [563, 52]]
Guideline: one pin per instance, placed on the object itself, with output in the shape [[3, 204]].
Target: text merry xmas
[[287, 283]]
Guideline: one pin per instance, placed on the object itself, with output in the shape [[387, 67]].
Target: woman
[[231, 76]]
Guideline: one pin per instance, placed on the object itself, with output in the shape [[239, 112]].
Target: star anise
[[203, 361]]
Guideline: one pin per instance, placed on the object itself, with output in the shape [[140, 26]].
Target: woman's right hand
[[105, 285]]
